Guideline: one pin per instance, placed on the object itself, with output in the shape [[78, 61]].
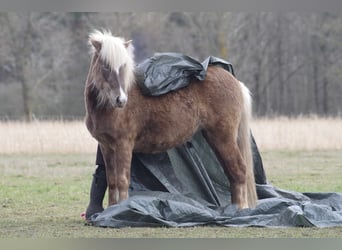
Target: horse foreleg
[[123, 170], [118, 164], [228, 154]]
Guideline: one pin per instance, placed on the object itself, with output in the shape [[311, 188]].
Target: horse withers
[[124, 121]]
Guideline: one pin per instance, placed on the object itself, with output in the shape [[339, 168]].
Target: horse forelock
[[114, 52]]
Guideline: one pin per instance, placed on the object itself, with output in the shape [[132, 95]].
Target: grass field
[[46, 169]]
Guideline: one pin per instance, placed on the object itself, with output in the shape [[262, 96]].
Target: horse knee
[[123, 185], [113, 194]]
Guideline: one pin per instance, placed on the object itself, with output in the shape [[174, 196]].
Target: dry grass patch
[[45, 137], [303, 133]]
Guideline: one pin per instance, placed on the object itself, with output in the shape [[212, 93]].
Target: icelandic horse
[[123, 120]]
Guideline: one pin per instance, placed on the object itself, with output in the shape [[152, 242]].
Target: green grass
[[41, 196], [314, 171]]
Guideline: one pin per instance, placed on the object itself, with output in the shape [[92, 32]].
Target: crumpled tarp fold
[[165, 72], [156, 209]]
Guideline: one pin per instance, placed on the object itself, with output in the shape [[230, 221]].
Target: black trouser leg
[[98, 187]]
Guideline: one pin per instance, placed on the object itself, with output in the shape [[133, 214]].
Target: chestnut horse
[[123, 120]]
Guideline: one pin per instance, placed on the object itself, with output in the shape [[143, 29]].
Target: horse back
[[173, 118]]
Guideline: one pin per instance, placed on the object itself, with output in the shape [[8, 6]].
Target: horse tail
[[244, 143]]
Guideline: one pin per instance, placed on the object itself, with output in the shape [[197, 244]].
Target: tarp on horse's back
[[165, 72]]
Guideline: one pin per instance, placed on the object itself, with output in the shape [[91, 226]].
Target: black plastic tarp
[[186, 186], [165, 72], [156, 209]]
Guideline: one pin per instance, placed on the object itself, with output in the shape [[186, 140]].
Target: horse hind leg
[[228, 154]]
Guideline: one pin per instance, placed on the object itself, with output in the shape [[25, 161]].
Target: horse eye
[[105, 67], [105, 71]]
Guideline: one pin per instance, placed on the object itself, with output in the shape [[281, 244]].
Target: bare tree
[[33, 40], [290, 61]]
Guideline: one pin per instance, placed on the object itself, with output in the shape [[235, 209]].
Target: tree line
[[291, 62]]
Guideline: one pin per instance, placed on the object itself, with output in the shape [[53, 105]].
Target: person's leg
[[98, 187]]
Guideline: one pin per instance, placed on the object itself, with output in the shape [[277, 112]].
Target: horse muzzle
[[117, 100], [121, 101]]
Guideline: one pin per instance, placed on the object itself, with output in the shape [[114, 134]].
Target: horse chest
[[104, 130]]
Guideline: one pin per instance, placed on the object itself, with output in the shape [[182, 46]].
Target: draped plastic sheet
[[174, 190], [165, 72], [155, 209], [186, 186]]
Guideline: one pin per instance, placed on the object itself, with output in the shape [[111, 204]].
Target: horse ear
[[97, 44], [127, 43]]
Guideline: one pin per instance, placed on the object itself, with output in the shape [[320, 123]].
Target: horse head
[[112, 68]]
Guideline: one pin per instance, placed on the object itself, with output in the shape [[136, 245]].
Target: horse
[[123, 120]]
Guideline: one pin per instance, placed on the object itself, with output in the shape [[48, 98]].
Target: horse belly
[[167, 131]]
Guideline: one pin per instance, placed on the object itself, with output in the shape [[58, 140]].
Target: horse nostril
[[120, 102]]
